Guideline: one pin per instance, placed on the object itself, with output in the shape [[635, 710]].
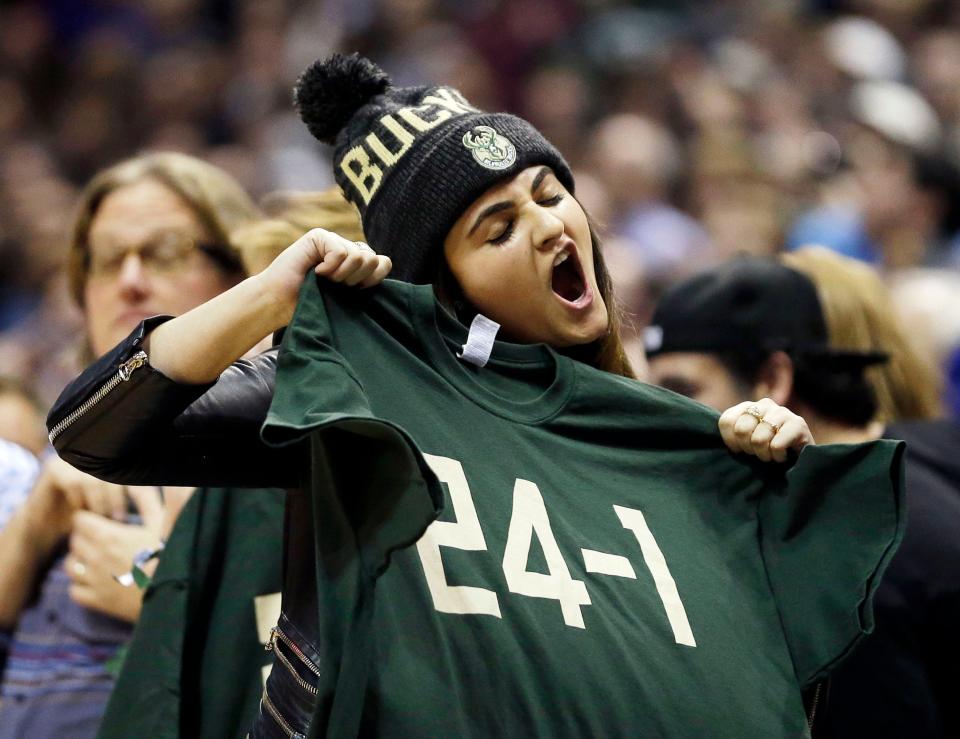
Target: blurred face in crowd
[[145, 258], [884, 174], [21, 422], [523, 256], [700, 376]]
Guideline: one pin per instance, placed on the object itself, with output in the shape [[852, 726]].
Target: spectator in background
[[215, 594], [781, 354], [860, 315], [292, 214], [639, 162], [41, 324], [18, 472], [824, 358], [21, 416], [151, 235], [901, 209], [928, 300], [901, 681]]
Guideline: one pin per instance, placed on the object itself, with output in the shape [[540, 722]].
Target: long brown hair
[[611, 356]]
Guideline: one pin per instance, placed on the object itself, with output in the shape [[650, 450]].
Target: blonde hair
[[292, 214], [217, 199], [860, 316]]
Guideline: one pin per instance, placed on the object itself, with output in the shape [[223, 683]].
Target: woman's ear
[[775, 378]]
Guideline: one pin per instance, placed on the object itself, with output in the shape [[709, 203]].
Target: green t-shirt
[[195, 666], [601, 564]]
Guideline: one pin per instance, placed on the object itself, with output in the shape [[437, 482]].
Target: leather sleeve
[[150, 430]]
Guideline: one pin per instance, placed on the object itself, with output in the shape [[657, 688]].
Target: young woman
[[897, 682], [480, 206]]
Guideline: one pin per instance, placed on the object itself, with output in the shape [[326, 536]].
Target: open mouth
[[568, 281]]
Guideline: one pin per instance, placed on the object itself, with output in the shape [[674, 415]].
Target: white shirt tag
[[483, 332]]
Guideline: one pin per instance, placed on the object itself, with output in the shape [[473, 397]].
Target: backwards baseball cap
[[412, 159], [749, 305]]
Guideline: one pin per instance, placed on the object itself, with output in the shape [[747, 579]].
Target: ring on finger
[[754, 411], [363, 246], [774, 426]]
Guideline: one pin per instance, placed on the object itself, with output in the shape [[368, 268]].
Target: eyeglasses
[[165, 254]]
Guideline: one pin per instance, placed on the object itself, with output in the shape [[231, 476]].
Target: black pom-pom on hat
[[331, 90]]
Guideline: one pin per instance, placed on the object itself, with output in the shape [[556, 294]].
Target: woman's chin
[[598, 324], [587, 332]]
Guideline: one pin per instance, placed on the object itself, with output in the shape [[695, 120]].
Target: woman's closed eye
[[504, 235], [551, 201], [507, 231]]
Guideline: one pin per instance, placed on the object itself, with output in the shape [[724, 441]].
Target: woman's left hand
[[764, 429]]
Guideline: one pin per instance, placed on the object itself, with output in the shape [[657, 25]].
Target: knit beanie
[[412, 159]]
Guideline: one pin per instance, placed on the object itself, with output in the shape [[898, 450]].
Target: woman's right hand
[[328, 255], [197, 346]]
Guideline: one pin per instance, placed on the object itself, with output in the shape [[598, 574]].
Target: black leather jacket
[[149, 430]]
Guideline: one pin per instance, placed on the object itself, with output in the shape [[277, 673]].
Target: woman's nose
[[548, 229]]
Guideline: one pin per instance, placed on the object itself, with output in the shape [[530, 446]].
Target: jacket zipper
[[813, 706], [281, 721], [276, 634], [124, 371]]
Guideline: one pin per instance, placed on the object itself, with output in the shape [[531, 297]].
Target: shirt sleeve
[[827, 534], [371, 490], [364, 471], [18, 471]]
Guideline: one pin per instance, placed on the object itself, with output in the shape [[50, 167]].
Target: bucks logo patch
[[489, 148]]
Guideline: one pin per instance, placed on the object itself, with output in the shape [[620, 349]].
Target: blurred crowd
[[697, 129]]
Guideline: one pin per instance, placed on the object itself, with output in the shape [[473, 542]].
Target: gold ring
[[755, 411], [79, 568], [774, 426]]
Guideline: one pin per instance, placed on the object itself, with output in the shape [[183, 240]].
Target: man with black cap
[[754, 328]]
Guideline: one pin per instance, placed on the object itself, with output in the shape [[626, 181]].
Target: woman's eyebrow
[[489, 211], [538, 179], [497, 207]]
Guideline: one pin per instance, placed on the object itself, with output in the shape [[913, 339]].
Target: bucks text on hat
[[441, 105]]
